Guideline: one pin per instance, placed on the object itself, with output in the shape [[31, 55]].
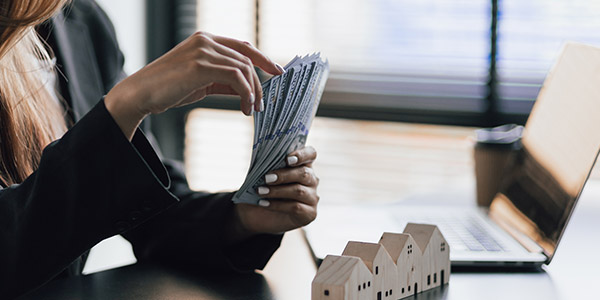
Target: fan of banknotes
[[291, 100]]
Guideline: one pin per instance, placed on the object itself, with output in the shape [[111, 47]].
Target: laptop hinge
[[523, 239]]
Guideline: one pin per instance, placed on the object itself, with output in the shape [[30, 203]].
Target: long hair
[[29, 118]]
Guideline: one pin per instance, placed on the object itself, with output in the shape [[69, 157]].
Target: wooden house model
[[342, 277], [381, 265], [400, 265], [435, 258], [407, 257]]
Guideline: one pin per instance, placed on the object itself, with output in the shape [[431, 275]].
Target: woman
[[102, 177]]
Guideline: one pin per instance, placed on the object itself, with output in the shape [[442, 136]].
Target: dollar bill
[[291, 101]]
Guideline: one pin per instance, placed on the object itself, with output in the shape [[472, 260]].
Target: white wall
[[129, 18]]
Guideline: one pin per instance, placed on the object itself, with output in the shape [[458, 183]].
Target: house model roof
[[421, 233], [366, 251], [336, 270], [394, 243]]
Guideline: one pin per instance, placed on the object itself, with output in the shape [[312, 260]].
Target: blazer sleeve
[[192, 230], [91, 184], [191, 233]]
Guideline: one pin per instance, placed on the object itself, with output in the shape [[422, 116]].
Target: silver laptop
[[525, 222]]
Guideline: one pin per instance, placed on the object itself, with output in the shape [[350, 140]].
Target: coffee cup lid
[[501, 135]]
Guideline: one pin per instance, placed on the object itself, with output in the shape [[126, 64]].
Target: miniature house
[[435, 258], [381, 265], [407, 257], [342, 277], [400, 265]]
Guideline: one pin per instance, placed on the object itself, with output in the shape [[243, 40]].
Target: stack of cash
[[291, 100]]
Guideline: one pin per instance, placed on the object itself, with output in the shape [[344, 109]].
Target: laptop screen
[[560, 146]]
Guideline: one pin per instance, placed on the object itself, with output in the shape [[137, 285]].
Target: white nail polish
[[280, 68], [251, 98], [263, 190], [262, 105], [264, 203], [292, 160], [270, 178], [251, 112]]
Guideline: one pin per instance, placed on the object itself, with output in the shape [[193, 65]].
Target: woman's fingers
[[247, 70], [202, 64], [246, 65], [302, 156], [220, 89], [234, 78], [235, 52], [247, 55], [304, 175], [298, 192], [259, 92], [245, 48], [302, 212]]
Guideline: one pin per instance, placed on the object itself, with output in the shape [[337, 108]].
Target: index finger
[[245, 48], [302, 156]]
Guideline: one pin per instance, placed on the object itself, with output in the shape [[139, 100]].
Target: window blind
[[530, 36], [401, 53], [417, 54], [427, 56]]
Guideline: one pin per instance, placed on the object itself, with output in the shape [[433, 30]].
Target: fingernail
[[291, 160], [262, 105], [263, 190], [259, 105], [251, 112], [270, 178], [264, 203], [251, 98], [280, 68]]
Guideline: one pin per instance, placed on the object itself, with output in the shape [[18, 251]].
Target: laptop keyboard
[[478, 239], [464, 233]]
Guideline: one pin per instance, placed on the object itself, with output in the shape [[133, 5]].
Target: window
[[528, 43], [369, 283], [434, 277], [443, 247], [423, 66], [428, 279], [376, 270], [364, 285], [480, 63], [402, 290], [326, 292]]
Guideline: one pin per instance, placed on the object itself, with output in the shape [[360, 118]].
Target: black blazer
[[93, 183]]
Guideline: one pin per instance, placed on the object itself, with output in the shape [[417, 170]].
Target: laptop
[[526, 219]]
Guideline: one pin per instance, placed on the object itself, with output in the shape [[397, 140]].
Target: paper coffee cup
[[494, 149]]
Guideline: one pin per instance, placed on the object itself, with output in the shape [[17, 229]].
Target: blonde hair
[[29, 118]]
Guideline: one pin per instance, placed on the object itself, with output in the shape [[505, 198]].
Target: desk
[[572, 275]]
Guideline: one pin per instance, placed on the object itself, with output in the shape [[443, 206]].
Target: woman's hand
[[202, 65], [289, 197]]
